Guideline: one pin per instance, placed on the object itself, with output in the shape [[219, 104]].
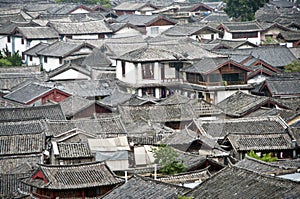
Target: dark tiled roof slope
[[240, 183], [51, 112], [141, 187]]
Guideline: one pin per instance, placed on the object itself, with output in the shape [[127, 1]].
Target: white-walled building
[[240, 31], [57, 53]]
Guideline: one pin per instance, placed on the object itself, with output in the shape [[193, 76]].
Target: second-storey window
[[45, 59], [148, 70], [8, 39]]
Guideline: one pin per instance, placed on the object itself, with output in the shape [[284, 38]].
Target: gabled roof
[[229, 44], [133, 6], [73, 150], [240, 104], [51, 112], [89, 88], [142, 187], [29, 92], [157, 113], [208, 65], [110, 126], [9, 28], [12, 163], [259, 142], [143, 20], [216, 17], [82, 72], [37, 32], [22, 144], [282, 85], [21, 127], [253, 125], [146, 54], [97, 59], [289, 35], [63, 49], [81, 28], [276, 56], [263, 167], [117, 97], [189, 29], [35, 49], [235, 182], [74, 104], [73, 176], [249, 26], [62, 9]]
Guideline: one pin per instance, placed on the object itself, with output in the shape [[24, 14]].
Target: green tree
[[6, 59], [104, 3], [266, 157], [243, 10], [294, 66], [167, 158]]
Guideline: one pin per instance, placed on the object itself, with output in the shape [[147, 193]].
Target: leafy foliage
[[294, 66], [6, 59], [266, 157], [104, 3], [167, 158], [243, 10], [184, 197]]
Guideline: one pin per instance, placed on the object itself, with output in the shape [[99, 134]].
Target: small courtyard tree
[[167, 158]]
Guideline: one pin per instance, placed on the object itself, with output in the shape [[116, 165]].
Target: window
[[22, 41], [8, 39], [154, 30], [30, 58], [23, 56], [60, 60], [123, 69], [214, 78], [238, 35], [45, 59], [148, 70]]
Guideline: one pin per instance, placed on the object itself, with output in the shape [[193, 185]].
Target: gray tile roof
[[75, 176], [22, 144], [157, 113], [240, 104], [89, 88], [282, 85], [38, 32], [28, 92], [69, 66], [241, 26], [74, 104], [240, 183], [260, 142], [132, 6], [142, 187], [216, 17], [189, 29], [207, 65], [276, 56], [263, 167], [51, 112], [97, 59], [9, 164], [35, 49], [21, 127], [110, 126], [141, 20], [253, 125], [146, 54], [186, 177], [62, 49], [73, 150], [117, 97], [81, 28]]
